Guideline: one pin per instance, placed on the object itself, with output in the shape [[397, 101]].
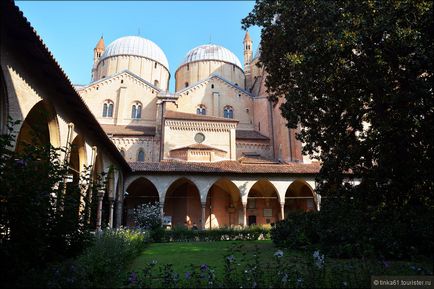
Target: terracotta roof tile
[[250, 134], [128, 130], [171, 166], [191, 116], [199, 146]]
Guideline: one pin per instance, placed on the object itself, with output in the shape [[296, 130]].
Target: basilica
[[216, 152]]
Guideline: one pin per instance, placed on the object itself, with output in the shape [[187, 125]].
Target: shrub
[[147, 216], [102, 264], [182, 234], [298, 230]]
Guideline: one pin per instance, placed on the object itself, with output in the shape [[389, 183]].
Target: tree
[[357, 78]]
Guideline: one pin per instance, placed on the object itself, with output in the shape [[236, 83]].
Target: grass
[[181, 255]]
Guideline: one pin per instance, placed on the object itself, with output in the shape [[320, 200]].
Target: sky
[[71, 29]]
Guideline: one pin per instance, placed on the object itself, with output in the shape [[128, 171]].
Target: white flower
[[278, 254], [318, 259]]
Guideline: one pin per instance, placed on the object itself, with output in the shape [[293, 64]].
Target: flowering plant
[[147, 216]]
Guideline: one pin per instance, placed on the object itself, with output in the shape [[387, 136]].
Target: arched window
[[228, 112], [188, 66], [136, 110], [186, 84], [212, 85], [201, 109], [155, 65], [141, 156], [107, 109], [156, 83]]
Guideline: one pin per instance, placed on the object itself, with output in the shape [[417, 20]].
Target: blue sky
[[71, 29]]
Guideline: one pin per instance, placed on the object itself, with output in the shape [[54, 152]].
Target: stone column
[[282, 211], [162, 210], [112, 204], [99, 211], [244, 214], [203, 215], [119, 213]]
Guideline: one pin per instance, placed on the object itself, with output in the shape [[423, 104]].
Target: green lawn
[[181, 255], [355, 272]]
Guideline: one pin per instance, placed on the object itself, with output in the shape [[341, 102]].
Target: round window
[[199, 137]]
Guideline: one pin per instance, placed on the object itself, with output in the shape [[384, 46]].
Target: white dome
[[138, 46], [211, 52]]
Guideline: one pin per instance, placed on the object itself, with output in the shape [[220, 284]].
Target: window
[[136, 110], [212, 85], [188, 67], [228, 112], [233, 67], [155, 65], [156, 83], [107, 109], [186, 84], [201, 109], [141, 156]]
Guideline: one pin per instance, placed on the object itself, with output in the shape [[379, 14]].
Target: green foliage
[[181, 234], [298, 230], [357, 79], [247, 268], [39, 219], [102, 264]]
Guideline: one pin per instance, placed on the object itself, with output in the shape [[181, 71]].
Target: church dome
[[211, 52], [137, 46]]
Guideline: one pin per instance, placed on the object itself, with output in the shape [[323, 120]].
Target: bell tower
[[247, 57], [97, 52]]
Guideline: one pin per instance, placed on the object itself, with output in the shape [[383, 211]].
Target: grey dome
[[137, 46], [211, 52]]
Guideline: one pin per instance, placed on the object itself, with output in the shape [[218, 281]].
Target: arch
[[299, 197], [140, 155], [107, 108], [40, 127], [223, 207], [136, 110], [140, 191], [156, 83], [201, 109], [182, 203], [263, 203], [78, 157], [228, 111]]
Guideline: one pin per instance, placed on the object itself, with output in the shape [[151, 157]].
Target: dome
[[137, 46], [211, 52]]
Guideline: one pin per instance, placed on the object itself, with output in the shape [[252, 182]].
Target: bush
[[181, 234], [102, 264], [298, 230], [346, 230], [147, 216]]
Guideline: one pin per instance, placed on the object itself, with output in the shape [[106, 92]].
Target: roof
[[247, 37], [170, 114], [138, 46], [23, 41], [169, 166], [211, 52], [250, 134], [198, 146], [214, 75], [128, 130], [100, 44]]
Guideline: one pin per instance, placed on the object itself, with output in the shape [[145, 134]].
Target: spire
[[247, 37], [100, 45]]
